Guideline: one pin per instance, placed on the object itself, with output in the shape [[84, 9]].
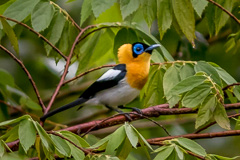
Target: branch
[[154, 111], [226, 11], [28, 74], [228, 86], [66, 68], [37, 33]]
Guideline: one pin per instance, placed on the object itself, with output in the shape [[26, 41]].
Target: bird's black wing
[[107, 80]]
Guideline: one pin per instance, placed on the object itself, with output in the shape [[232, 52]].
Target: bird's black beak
[[150, 48]]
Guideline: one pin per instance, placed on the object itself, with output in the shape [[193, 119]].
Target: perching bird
[[119, 85]]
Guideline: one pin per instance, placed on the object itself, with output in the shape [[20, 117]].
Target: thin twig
[[226, 11], [66, 69], [38, 34], [28, 74], [61, 136], [228, 86], [195, 155]]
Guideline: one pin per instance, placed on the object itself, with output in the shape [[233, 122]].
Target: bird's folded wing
[[107, 80]]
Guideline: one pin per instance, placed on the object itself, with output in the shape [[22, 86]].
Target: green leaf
[[128, 7], [196, 96], [45, 139], [2, 148], [185, 17], [218, 157], [20, 9], [143, 139], [154, 94], [164, 16], [221, 17], [124, 36], [101, 142], [14, 120], [149, 9], [30, 103], [210, 14], [42, 15], [207, 68], [27, 134], [199, 6], [115, 140], [220, 116], [75, 138], [11, 35], [6, 78], [226, 77], [5, 6], [61, 145], [191, 146], [86, 11], [76, 152], [131, 134], [124, 149], [55, 31], [205, 112], [99, 6], [179, 152], [11, 135], [186, 71], [183, 86], [165, 153]]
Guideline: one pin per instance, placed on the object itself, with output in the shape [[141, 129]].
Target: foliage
[[198, 85]]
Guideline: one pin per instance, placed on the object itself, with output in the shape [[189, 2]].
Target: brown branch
[[228, 86], [28, 74], [66, 69], [61, 136], [157, 141], [154, 111], [226, 11], [37, 33]]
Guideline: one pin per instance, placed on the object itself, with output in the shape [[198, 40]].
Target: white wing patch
[[110, 74]]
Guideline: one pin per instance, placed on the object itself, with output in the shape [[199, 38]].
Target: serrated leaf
[[128, 7], [185, 17], [14, 120], [210, 15], [131, 134], [207, 68], [149, 11], [221, 17], [191, 146], [179, 152], [61, 145], [6, 78], [165, 153], [196, 96], [42, 15], [226, 77], [164, 16], [101, 142], [20, 9], [27, 134], [30, 103], [143, 139], [2, 148], [76, 152], [55, 31], [205, 112], [11, 135], [11, 35], [220, 116], [86, 10], [199, 6], [124, 36], [99, 6], [116, 139]]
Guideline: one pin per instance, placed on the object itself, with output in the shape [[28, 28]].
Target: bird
[[119, 85]]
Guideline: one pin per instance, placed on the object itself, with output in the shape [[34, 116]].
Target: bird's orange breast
[[137, 74]]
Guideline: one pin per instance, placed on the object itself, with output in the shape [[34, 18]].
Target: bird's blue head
[[138, 48]]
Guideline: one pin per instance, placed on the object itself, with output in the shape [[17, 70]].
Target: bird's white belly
[[120, 94]]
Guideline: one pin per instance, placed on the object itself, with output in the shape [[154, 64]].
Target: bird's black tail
[[63, 108]]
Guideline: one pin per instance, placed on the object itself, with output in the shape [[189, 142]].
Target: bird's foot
[[127, 116], [133, 108]]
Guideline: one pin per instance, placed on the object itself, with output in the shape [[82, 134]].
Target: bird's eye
[[138, 49]]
